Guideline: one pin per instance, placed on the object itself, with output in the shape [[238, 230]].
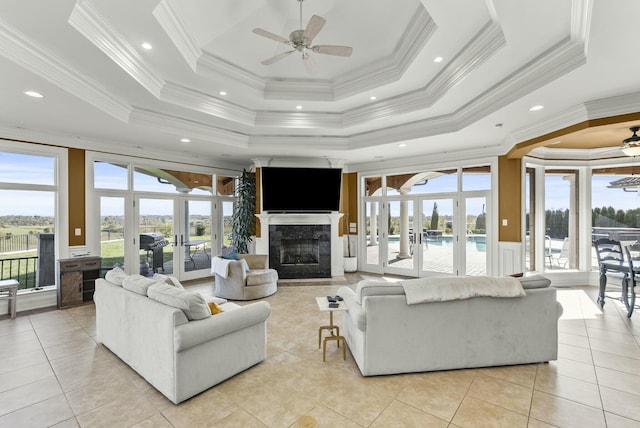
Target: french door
[[427, 235], [174, 235]]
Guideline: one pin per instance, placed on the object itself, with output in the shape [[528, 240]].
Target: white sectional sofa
[[386, 335], [168, 335]]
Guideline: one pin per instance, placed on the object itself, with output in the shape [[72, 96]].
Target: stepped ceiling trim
[[167, 16], [94, 28], [492, 73], [213, 67], [208, 104], [479, 48], [22, 51], [179, 126]]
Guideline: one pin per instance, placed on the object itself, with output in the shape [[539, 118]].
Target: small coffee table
[[323, 305]]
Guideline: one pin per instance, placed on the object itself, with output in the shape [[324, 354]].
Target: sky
[[39, 170]]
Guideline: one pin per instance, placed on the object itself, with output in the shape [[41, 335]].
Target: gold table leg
[[331, 327]]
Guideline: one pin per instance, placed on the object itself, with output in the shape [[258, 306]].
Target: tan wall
[[349, 202], [77, 199], [509, 199]]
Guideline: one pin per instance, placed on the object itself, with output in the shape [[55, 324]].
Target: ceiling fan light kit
[[631, 145], [301, 41]]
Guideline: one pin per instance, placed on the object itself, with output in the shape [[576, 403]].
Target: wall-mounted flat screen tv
[[301, 189]]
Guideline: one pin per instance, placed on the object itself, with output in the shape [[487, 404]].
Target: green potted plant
[[243, 218]]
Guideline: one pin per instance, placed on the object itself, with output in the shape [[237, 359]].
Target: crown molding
[[285, 119], [441, 159], [211, 66], [389, 70], [581, 13], [88, 21], [179, 126], [383, 72], [208, 104], [285, 161], [280, 141], [560, 120], [299, 90], [560, 59], [120, 148], [486, 42], [22, 51], [167, 16], [613, 106], [409, 131]]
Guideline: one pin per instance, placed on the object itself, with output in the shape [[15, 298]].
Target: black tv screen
[[301, 189]]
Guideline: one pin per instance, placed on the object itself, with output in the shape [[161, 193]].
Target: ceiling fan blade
[[310, 65], [270, 35], [333, 50], [313, 27], [276, 58]]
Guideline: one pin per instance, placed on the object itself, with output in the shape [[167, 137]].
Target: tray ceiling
[[103, 90]]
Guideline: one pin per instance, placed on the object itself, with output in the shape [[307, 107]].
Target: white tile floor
[[52, 373]]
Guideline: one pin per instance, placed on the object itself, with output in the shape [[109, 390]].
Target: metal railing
[[24, 242], [22, 269]]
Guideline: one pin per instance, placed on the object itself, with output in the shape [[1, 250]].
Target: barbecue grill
[[153, 244]]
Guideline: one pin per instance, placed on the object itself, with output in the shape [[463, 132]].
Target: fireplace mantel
[[333, 218]]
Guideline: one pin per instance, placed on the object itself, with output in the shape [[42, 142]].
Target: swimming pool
[[474, 242]]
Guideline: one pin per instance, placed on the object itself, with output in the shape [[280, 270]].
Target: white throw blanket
[[220, 266], [438, 289]]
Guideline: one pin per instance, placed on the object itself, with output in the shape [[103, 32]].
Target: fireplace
[[300, 250], [329, 245]]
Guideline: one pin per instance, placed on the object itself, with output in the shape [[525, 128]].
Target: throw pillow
[[245, 265], [138, 283], [116, 276], [192, 304], [168, 279], [534, 281], [214, 308], [230, 255]]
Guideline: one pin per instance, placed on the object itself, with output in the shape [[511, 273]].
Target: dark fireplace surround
[[300, 250]]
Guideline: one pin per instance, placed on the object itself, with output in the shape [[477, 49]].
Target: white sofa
[[386, 335], [177, 346]]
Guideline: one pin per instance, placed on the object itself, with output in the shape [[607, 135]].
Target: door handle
[[181, 239], [175, 240]]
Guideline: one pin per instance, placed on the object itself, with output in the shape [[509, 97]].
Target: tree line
[[557, 221]]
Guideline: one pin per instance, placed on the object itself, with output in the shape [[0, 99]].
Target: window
[[615, 205], [28, 223]]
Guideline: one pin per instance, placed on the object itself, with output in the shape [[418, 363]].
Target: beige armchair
[[259, 281]]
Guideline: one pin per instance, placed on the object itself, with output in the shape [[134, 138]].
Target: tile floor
[[52, 373]]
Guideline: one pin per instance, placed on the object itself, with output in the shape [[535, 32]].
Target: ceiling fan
[[301, 41]]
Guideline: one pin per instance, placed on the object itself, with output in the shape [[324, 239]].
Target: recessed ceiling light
[[498, 125], [298, 107], [34, 94], [223, 93], [185, 140], [146, 46], [373, 97], [536, 108], [402, 145], [438, 59]]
